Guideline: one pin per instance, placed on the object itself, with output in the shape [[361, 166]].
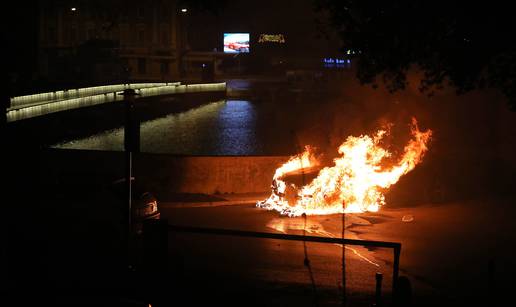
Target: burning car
[[288, 187], [355, 183]]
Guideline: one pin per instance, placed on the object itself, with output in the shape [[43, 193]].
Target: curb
[[207, 204]]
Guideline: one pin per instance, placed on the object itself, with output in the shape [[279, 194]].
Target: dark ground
[[65, 245]]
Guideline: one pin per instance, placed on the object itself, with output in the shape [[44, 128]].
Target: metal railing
[[265, 235]]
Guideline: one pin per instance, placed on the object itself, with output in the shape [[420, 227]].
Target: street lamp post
[[184, 46], [131, 144]]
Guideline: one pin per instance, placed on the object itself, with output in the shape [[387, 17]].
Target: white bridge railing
[[21, 101], [23, 107]]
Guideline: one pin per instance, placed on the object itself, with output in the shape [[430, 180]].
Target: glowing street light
[[73, 9], [184, 10]]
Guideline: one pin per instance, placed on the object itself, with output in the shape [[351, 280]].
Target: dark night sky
[[20, 34], [19, 41]]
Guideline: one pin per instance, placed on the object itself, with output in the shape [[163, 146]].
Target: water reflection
[[218, 128], [237, 133]]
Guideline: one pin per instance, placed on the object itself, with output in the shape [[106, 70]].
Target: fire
[[354, 184], [302, 161]]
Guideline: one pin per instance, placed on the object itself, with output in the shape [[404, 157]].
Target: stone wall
[[170, 173], [209, 174]]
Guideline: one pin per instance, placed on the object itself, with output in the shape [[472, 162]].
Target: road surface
[[446, 251], [276, 264]]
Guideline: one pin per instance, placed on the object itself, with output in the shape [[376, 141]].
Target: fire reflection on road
[[285, 225]]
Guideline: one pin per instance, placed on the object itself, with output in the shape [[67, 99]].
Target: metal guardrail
[[265, 235]]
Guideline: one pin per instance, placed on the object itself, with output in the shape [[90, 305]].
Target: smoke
[[471, 153]]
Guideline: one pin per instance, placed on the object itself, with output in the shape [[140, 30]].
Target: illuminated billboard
[[272, 38], [236, 42]]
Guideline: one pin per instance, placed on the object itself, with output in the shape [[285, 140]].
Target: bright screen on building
[[236, 42]]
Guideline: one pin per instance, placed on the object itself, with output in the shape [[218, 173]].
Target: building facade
[[103, 41]]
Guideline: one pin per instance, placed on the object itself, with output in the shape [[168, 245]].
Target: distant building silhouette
[[84, 42]]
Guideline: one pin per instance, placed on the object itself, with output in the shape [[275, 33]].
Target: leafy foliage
[[468, 46]]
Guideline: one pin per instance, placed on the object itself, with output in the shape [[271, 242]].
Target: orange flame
[[354, 184], [304, 160]]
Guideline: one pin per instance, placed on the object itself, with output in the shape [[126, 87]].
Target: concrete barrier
[[208, 174], [168, 174]]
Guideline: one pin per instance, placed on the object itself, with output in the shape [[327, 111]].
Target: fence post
[[396, 267], [378, 294]]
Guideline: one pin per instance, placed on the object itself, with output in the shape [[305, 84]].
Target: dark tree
[[468, 45]]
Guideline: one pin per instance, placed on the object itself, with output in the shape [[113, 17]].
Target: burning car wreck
[[354, 184]]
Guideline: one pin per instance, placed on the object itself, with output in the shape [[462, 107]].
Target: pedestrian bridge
[[28, 106]]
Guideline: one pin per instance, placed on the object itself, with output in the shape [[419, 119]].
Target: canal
[[224, 127]]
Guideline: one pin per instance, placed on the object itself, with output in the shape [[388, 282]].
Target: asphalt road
[[277, 264], [446, 251]]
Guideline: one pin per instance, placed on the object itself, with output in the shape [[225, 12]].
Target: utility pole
[[131, 144]]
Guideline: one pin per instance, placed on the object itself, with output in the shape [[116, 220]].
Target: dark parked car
[[144, 205]]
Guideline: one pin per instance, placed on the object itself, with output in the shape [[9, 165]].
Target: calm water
[[227, 127]]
